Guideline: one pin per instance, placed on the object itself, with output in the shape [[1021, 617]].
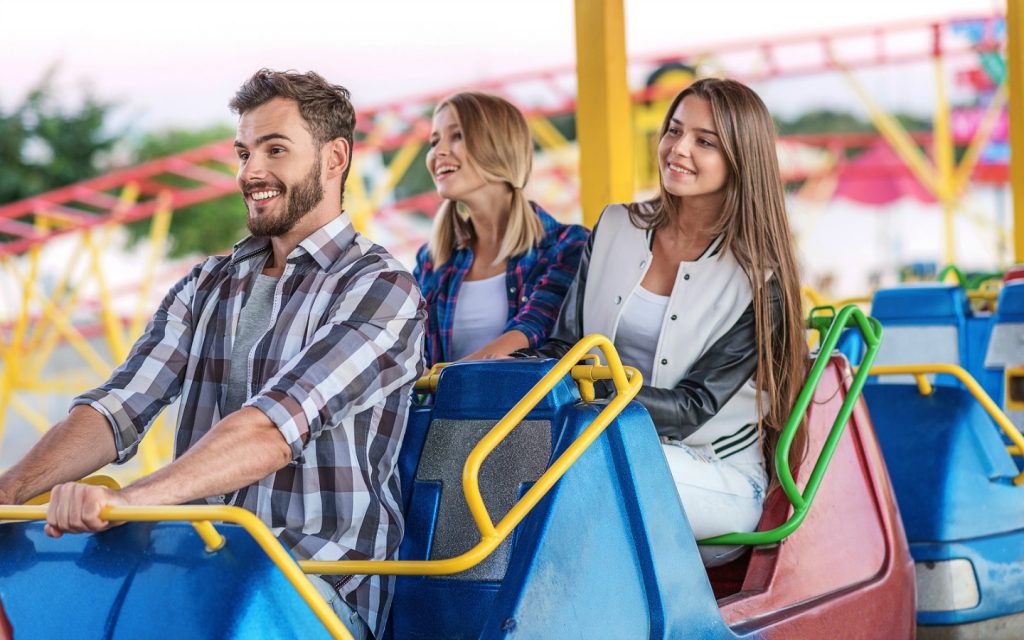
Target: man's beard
[[302, 198]]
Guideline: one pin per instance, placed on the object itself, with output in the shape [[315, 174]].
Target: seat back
[[467, 404], [1006, 349], [924, 324], [609, 550], [847, 565]]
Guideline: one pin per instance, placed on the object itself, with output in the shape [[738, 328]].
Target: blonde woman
[[699, 290], [497, 267]]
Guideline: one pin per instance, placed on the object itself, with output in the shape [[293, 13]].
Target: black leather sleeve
[[713, 379], [568, 329]]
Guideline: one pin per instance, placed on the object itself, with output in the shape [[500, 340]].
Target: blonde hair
[[499, 147], [756, 229]]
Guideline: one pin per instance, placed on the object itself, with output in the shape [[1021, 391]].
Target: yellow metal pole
[[357, 200], [1015, 76], [159, 229], [112, 326], [13, 352], [896, 135], [602, 108], [943, 149], [970, 158], [546, 135]]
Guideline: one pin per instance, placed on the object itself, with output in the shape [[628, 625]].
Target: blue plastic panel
[[997, 563], [1010, 307], [144, 580], [953, 482], [947, 462], [921, 304]]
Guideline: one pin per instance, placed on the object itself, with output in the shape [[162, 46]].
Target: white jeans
[[719, 496]]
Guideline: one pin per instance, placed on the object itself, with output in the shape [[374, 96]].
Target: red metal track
[[208, 169]]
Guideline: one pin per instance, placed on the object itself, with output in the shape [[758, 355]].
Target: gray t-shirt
[[252, 323]]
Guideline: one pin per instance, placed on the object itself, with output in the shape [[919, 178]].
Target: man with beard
[[293, 357]]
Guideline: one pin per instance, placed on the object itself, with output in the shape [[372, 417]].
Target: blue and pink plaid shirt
[[535, 284]]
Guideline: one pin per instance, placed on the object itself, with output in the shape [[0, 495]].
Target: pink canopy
[[878, 176]]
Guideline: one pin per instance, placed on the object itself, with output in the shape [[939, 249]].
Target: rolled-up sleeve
[[370, 347], [561, 259], [151, 377]]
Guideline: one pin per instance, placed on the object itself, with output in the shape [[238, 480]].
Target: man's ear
[[338, 157]]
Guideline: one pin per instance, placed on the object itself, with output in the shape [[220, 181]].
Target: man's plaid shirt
[[333, 371]]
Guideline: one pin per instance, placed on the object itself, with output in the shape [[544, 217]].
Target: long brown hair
[[500, 149], [756, 230]]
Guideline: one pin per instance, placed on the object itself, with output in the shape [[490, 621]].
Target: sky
[[177, 64]]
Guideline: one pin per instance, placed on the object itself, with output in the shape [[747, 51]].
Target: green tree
[[205, 228], [45, 145], [828, 121]]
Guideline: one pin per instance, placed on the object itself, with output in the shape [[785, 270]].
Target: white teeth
[[263, 195], [447, 169], [678, 169]]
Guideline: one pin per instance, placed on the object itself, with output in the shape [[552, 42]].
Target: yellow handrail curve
[[627, 382], [97, 480], [202, 515], [428, 381], [920, 370]]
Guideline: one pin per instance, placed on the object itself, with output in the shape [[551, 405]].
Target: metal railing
[[201, 518], [627, 381], [831, 327]]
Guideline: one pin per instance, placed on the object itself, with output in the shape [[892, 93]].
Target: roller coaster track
[[390, 140], [398, 129]]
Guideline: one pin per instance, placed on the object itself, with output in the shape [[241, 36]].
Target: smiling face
[[690, 156], [448, 159], [280, 169]]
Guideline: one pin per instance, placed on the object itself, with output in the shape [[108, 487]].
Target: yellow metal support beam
[[546, 135], [980, 139], [603, 107], [159, 229], [1015, 76], [942, 148], [896, 135]]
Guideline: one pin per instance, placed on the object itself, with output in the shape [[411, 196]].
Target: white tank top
[[636, 338], [480, 315]]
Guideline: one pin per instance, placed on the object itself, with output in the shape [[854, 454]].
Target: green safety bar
[[961, 279], [829, 328], [969, 283]]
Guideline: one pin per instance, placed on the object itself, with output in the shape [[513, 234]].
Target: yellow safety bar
[[428, 382], [627, 383], [809, 292], [98, 480], [919, 371], [201, 517], [985, 295]]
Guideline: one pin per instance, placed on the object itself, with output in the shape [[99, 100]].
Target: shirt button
[[511, 289], [643, 264], [618, 299], [664, 361], [686, 277], [523, 299], [674, 316]]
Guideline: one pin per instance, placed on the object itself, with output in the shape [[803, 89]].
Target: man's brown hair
[[325, 107]]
